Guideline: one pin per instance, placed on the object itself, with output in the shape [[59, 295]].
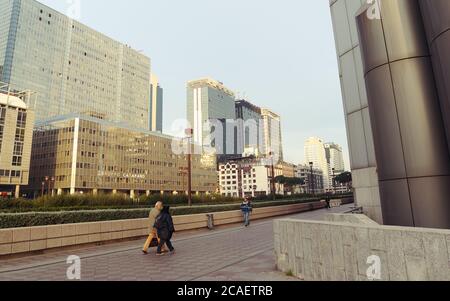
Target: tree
[[289, 183], [344, 178]]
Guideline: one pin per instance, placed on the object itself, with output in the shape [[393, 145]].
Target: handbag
[[154, 242]]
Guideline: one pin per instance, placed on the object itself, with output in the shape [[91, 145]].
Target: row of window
[[10, 173]]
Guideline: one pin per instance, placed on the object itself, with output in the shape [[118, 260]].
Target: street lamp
[[273, 177], [189, 134], [334, 181], [311, 166]]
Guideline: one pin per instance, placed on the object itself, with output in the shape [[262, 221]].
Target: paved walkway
[[233, 253]]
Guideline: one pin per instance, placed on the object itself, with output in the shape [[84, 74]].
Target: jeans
[[246, 218]]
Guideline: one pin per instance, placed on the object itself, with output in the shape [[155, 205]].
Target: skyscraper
[[71, 67], [156, 104], [252, 133], [315, 153], [335, 157], [273, 141], [209, 105]]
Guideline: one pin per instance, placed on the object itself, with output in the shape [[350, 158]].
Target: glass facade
[[71, 67], [85, 154]]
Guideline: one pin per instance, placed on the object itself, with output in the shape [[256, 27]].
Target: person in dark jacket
[[246, 208], [164, 226]]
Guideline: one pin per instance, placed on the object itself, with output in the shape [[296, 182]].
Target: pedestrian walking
[[246, 208], [153, 239], [165, 229]]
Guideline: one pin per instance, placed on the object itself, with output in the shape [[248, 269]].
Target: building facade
[[16, 132], [70, 66], [273, 141], [335, 157], [356, 107], [248, 177], [88, 155], [315, 153], [252, 134], [402, 61], [209, 101], [156, 105], [314, 180]]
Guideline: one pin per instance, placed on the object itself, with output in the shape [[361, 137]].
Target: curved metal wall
[[436, 17], [410, 142]]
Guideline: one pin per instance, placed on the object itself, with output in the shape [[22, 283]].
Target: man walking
[[154, 213], [246, 208]]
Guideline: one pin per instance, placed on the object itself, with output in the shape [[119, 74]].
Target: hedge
[[18, 220]]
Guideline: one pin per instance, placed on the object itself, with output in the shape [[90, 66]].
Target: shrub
[[31, 219]]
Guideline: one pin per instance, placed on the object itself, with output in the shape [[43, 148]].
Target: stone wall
[[339, 251], [23, 240]]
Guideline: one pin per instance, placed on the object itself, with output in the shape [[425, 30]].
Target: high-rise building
[[400, 59], [90, 155], [156, 105], [70, 66], [335, 157], [252, 134], [16, 132], [273, 142], [209, 104], [315, 153]]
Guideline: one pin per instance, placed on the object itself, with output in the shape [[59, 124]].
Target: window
[[17, 161]]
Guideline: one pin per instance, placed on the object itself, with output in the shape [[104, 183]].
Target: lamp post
[[189, 133], [273, 177], [42, 188], [334, 181], [47, 180], [311, 165]]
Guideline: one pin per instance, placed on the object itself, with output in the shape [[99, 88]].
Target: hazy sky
[[279, 54]]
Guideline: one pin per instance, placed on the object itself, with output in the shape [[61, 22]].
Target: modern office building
[[84, 154], [335, 157], [315, 153], [16, 132], [273, 142], [400, 59], [71, 67], [252, 134], [314, 183], [209, 102], [156, 105]]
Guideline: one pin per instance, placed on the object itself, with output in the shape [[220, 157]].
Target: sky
[[278, 54]]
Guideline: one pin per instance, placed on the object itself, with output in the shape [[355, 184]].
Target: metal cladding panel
[[385, 125], [422, 131], [395, 203], [430, 201], [436, 16], [371, 38], [403, 29], [406, 117]]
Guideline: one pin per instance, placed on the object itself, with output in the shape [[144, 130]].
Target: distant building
[[209, 105], [252, 133], [16, 133], [273, 142], [156, 105], [88, 155], [314, 182], [315, 153], [335, 157], [248, 177], [71, 67]]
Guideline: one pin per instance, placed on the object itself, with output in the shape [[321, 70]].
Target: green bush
[[31, 219]]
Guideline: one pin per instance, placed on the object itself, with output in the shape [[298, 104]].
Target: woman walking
[[164, 226]]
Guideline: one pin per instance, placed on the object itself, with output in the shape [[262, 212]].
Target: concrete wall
[[338, 251], [23, 240]]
